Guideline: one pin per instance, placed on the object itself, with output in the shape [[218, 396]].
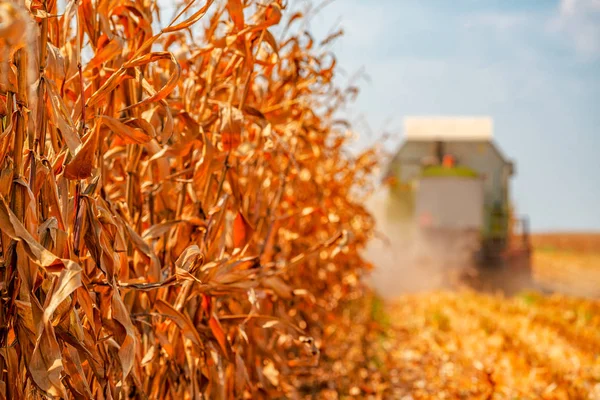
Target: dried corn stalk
[[176, 208]]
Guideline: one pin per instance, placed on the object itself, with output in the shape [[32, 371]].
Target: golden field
[[568, 262], [472, 346]]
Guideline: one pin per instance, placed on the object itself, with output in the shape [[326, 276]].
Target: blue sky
[[532, 65]]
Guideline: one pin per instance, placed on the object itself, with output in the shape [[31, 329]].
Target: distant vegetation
[[570, 242]]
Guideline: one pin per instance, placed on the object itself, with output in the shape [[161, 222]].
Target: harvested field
[[568, 272], [474, 346], [567, 262], [571, 242]]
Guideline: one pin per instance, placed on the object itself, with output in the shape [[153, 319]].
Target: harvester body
[[451, 182]]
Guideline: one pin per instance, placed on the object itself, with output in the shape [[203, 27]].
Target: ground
[[568, 262], [469, 345], [474, 346]]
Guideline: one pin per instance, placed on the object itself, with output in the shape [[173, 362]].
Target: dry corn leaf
[[191, 20], [242, 231], [217, 330], [82, 164], [129, 134], [236, 12], [183, 322]]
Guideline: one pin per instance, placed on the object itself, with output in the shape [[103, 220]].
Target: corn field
[[179, 217]]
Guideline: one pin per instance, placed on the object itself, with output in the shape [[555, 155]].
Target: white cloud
[[497, 21], [580, 20], [573, 6]]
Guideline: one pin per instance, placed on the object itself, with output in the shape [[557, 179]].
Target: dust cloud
[[406, 262]]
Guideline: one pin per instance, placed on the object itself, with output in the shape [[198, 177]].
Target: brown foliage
[[176, 209]]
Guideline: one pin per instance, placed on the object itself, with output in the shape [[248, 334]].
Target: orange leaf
[[232, 120], [129, 134], [230, 140], [217, 330], [107, 51], [191, 20], [82, 164], [206, 304], [182, 321], [11, 226], [60, 117], [242, 231], [236, 12]]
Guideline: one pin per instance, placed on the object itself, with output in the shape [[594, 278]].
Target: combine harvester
[[448, 187]]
